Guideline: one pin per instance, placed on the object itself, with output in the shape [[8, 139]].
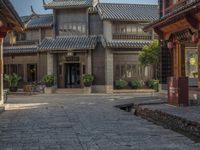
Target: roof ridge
[[128, 4]]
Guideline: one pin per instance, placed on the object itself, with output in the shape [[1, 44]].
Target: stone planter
[[87, 90], [49, 90]]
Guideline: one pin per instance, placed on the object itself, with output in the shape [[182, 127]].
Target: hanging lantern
[[195, 38], [169, 45], [12, 39]]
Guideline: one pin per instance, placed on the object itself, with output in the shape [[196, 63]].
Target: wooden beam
[[192, 22], [2, 34], [159, 32]]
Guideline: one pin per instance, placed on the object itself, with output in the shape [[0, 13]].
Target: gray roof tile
[[124, 44], [20, 49], [72, 42], [128, 12], [40, 22], [68, 3]]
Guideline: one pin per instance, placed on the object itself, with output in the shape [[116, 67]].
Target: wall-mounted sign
[[72, 58]]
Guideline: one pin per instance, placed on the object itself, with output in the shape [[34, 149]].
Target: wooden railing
[[19, 43], [118, 36], [177, 6]]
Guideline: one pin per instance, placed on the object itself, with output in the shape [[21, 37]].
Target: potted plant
[[153, 84], [87, 80], [12, 80], [48, 80], [120, 84], [135, 84]]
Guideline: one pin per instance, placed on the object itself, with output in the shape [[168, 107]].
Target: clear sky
[[23, 6]]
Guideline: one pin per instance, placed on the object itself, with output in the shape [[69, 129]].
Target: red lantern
[[169, 45], [195, 38]]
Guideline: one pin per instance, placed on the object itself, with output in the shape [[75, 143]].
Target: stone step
[[70, 91]]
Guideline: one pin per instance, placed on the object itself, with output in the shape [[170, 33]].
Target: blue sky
[[23, 6]]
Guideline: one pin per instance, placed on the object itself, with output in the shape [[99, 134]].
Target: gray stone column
[[49, 64], [1, 71], [109, 71], [89, 62], [55, 69]]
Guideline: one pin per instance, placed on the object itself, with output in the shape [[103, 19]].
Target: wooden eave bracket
[[159, 32], [192, 22]]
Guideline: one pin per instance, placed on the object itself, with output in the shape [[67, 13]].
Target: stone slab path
[[78, 122]]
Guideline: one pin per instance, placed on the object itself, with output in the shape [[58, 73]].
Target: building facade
[[178, 27], [82, 37]]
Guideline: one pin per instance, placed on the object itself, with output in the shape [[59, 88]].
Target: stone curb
[[176, 123]]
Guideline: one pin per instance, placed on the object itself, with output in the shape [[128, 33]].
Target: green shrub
[[153, 84], [135, 84], [48, 80], [120, 84], [87, 79]]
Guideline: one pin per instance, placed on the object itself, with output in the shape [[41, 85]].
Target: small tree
[[150, 55]]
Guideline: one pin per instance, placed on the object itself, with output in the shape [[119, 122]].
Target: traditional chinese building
[[81, 37], [178, 28], [9, 21]]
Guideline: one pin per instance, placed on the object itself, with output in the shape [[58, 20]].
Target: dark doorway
[[72, 75]]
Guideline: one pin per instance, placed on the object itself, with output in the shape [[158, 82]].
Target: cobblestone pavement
[[77, 122]]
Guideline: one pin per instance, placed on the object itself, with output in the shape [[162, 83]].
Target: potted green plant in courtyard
[[48, 80], [120, 84], [135, 84], [87, 81], [153, 84], [12, 80]]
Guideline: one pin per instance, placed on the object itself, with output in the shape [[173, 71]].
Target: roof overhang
[[188, 17], [69, 43], [9, 19]]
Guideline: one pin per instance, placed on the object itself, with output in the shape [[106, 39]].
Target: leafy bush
[[12, 79], [120, 84], [48, 80], [87, 79], [135, 84], [153, 84]]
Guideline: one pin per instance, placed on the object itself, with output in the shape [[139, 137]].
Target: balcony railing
[[119, 36], [177, 6], [20, 43]]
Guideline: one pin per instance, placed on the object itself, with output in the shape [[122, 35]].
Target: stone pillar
[[109, 71], [89, 62], [1, 71], [49, 64], [198, 46], [55, 69]]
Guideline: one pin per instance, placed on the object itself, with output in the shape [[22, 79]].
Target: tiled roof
[[40, 21], [128, 12], [68, 3], [65, 43], [125, 44], [173, 14], [9, 15], [20, 49]]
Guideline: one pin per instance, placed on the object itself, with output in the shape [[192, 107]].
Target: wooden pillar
[[178, 67]]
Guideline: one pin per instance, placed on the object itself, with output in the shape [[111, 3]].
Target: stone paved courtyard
[[78, 122]]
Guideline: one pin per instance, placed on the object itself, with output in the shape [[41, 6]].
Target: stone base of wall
[[102, 89]]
